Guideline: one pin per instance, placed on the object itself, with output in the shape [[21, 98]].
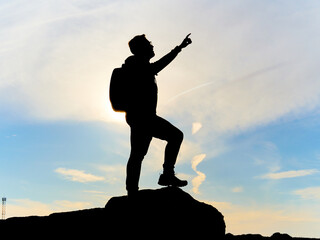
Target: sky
[[246, 94]]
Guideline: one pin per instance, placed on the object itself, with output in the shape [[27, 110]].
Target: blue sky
[[245, 94]]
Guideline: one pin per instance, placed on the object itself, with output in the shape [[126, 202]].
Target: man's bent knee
[[180, 136], [177, 136]]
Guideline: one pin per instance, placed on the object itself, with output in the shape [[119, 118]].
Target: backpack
[[118, 90]]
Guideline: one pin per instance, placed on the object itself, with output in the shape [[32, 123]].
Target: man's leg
[[140, 142], [164, 130]]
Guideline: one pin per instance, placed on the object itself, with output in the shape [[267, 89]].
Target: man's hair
[[136, 44]]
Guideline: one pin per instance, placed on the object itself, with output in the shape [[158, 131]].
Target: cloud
[[312, 193], [58, 58], [64, 205], [267, 220], [295, 220], [196, 126], [237, 189], [252, 100], [113, 173], [64, 57], [278, 79], [198, 180], [290, 174], [27, 207], [78, 175]]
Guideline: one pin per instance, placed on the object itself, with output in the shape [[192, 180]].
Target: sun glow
[[113, 116]]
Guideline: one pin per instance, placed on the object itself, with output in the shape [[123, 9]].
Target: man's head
[[140, 46]]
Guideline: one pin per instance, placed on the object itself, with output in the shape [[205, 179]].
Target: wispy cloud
[[289, 174], [64, 205], [60, 77], [113, 173], [237, 189], [269, 219], [198, 180], [27, 207], [78, 175], [312, 193], [69, 81]]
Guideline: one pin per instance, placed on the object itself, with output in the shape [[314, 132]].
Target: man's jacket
[[143, 90]]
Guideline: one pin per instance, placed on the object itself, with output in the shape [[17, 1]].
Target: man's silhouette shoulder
[[134, 61]]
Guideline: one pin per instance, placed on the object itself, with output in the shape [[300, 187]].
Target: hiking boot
[[171, 180]]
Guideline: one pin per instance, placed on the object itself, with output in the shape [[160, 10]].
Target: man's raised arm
[[165, 60]]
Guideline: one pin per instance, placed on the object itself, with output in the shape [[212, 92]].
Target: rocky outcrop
[[167, 212]]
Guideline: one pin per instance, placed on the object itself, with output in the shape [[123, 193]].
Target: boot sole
[[172, 185]]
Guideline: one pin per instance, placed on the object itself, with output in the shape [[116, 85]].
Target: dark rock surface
[[167, 212]]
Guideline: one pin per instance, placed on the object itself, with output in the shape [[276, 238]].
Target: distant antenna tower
[[4, 208]]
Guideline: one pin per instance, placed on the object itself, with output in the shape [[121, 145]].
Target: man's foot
[[171, 180]]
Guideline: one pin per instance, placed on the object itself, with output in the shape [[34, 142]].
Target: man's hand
[[186, 41]]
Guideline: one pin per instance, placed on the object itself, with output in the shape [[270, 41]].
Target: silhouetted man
[[141, 113]]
